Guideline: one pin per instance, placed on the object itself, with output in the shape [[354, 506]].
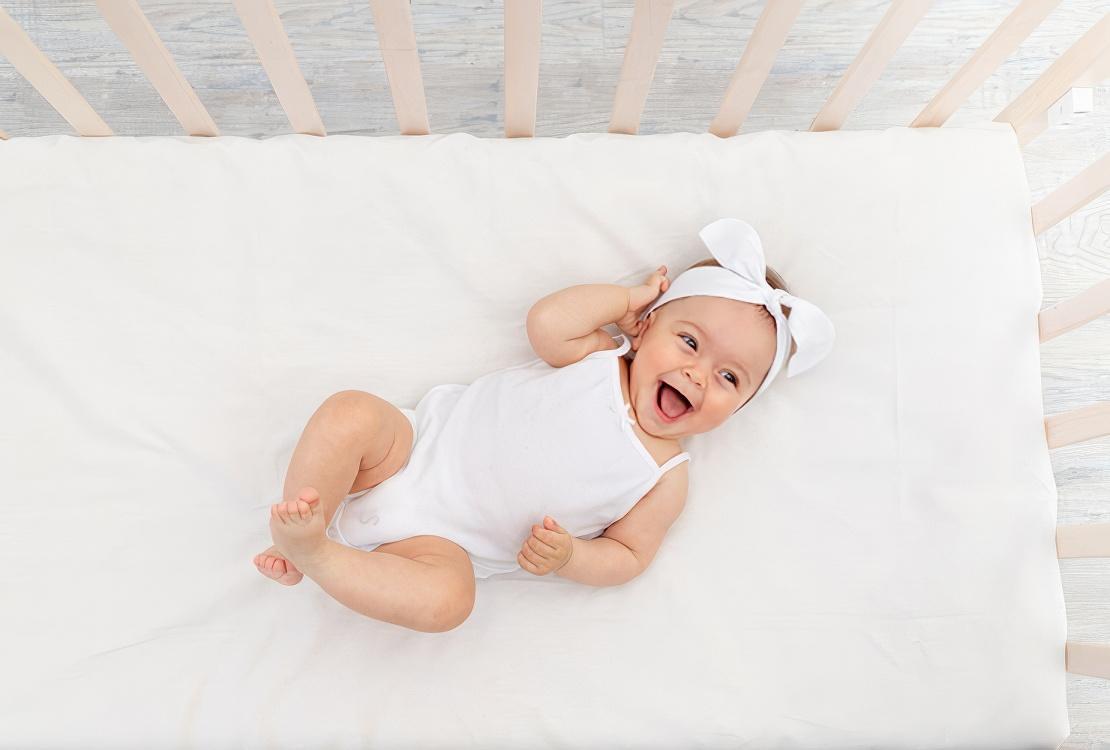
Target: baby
[[576, 453]]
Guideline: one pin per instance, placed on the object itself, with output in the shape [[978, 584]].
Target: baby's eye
[[695, 344], [734, 381]]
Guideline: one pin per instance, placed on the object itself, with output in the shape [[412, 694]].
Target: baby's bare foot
[[297, 526], [271, 564]]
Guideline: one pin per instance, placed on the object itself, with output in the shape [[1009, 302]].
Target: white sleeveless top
[[492, 458]]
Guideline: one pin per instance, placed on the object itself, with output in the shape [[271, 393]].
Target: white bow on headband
[[743, 276]]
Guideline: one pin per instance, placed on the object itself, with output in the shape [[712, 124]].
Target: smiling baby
[[570, 463]]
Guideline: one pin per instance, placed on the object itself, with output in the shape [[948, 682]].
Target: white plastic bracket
[[1075, 101]]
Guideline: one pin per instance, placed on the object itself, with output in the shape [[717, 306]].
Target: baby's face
[[715, 351]]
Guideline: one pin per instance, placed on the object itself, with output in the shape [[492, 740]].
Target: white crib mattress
[[867, 556]]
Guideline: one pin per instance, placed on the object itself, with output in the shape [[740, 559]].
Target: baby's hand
[[549, 548], [640, 297]]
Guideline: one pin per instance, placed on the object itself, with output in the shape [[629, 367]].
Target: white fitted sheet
[[867, 556]]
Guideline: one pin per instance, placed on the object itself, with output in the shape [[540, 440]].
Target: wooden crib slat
[[1091, 659], [645, 42], [133, 29], [1075, 311], [1077, 425], [1083, 540], [767, 39], [1072, 195], [33, 65], [397, 41], [266, 32], [1028, 112], [523, 24], [1097, 73], [897, 23], [1000, 45]]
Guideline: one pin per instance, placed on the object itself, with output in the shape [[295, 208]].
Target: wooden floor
[[460, 46]]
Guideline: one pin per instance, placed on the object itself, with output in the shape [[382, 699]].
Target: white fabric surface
[[866, 558]]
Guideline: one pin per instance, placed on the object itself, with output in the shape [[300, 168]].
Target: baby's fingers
[[540, 547], [545, 535], [523, 562], [532, 562]]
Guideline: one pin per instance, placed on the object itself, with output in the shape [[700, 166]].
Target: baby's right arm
[[565, 326]]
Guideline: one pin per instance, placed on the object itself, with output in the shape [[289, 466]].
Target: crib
[[96, 674]]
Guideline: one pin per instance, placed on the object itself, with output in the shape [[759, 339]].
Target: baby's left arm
[[642, 529]]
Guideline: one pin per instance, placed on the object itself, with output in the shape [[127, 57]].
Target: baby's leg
[[425, 583], [353, 441]]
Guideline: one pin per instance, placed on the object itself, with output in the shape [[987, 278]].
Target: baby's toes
[[286, 512], [304, 510], [297, 512], [266, 565]]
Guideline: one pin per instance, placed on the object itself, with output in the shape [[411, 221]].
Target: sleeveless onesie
[[492, 458]]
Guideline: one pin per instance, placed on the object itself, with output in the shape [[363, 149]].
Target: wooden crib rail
[[988, 58], [1028, 113], [263, 26], [641, 53], [1088, 60], [1083, 540], [523, 23], [26, 58], [1051, 210], [1072, 195], [1074, 312], [1091, 659], [129, 23], [1077, 425], [397, 41], [766, 40], [897, 23]]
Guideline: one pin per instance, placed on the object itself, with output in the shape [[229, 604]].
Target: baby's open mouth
[[670, 402]]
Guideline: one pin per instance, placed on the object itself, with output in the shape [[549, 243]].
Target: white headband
[[743, 276]]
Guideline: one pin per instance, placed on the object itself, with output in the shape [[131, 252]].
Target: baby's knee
[[350, 411], [443, 622], [451, 610]]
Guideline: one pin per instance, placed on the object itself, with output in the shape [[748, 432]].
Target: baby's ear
[[644, 324]]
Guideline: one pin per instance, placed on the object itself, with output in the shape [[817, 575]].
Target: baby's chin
[[679, 435]]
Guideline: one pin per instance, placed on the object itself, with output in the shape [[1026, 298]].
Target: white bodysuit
[[494, 457]]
